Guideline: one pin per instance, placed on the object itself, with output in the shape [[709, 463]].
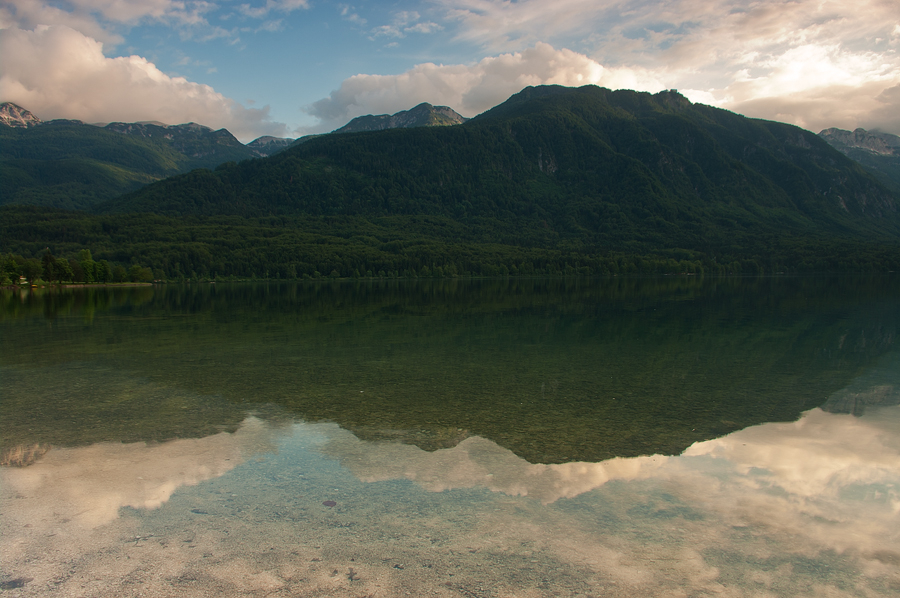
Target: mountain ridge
[[595, 167], [555, 180]]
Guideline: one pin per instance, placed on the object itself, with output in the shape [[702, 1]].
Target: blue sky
[[291, 67]]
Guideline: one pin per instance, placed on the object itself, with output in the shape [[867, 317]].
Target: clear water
[[640, 437]]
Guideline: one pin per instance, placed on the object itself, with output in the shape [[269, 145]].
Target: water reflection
[[87, 486], [555, 371], [493, 438], [781, 509], [479, 462]]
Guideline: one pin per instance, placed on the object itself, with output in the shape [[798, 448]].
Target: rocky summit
[[12, 115], [423, 115]]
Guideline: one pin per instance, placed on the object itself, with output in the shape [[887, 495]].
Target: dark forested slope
[[555, 180], [600, 167]]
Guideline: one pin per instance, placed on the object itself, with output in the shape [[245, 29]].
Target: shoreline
[[78, 286]]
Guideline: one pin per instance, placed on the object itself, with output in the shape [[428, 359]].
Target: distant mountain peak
[[423, 115], [883, 144], [268, 145], [13, 115]]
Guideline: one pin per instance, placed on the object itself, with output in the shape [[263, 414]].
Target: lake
[[675, 436]]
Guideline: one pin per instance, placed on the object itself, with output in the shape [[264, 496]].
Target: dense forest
[[555, 181]]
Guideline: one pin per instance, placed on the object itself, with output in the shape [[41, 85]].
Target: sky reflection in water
[[227, 497], [826, 487]]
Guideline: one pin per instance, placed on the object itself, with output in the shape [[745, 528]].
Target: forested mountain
[[69, 164], [72, 165], [554, 180], [879, 152], [598, 167]]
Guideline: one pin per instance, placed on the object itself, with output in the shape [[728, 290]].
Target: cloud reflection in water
[[88, 485]]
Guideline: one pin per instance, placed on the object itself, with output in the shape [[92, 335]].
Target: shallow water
[[669, 437]]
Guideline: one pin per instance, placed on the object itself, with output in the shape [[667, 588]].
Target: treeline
[[229, 247], [56, 270]]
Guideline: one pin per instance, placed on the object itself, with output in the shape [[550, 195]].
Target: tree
[[32, 269]]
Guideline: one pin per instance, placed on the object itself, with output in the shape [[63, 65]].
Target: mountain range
[[554, 180], [69, 164]]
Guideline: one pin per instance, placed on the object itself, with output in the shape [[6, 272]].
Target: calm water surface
[[626, 437]]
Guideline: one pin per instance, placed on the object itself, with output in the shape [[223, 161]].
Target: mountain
[[12, 115], [423, 115], [69, 164], [587, 162], [267, 145], [553, 181], [56, 169], [879, 152], [207, 148]]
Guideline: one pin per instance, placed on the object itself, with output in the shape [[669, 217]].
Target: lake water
[[622, 437]]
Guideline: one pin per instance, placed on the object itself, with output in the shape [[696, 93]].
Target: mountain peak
[[883, 144], [13, 115], [423, 115]]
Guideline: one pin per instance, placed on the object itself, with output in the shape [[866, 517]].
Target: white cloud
[[405, 22], [284, 6], [347, 13], [56, 72], [471, 89], [499, 24], [28, 14], [816, 87], [103, 19]]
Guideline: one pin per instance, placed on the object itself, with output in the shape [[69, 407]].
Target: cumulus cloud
[[472, 89], [57, 72]]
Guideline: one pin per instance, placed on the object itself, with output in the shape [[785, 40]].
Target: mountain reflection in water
[[825, 484], [555, 371], [481, 438]]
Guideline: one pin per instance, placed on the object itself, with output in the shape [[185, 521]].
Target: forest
[[554, 182]]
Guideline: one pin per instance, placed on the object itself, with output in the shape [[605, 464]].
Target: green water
[[658, 436]]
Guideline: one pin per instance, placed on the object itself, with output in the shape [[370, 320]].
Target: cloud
[[284, 6], [28, 14], [499, 24], [102, 19], [471, 89], [57, 72], [815, 86], [348, 14], [405, 22], [797, 61]]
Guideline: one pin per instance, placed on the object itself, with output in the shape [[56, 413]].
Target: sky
[[294, 67]]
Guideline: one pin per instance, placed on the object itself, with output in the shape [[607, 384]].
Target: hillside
[[72, 165], [878, 152], [600, 167], [555, 180]]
